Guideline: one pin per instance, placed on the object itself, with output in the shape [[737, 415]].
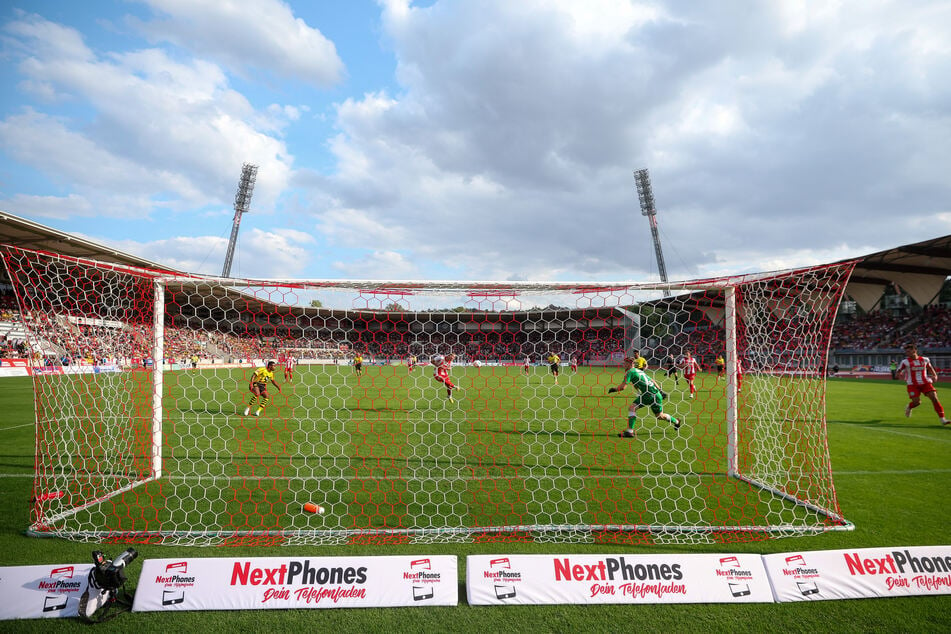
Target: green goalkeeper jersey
[[641, 382]]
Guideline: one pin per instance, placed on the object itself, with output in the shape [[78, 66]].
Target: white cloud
[[50, 206], [732, 263], [162, 129], [37, 138], [775, 133], [771, 135], [46, 39], [262, 254], [283, 253], [262, 35], [394, 265], [355, 228]]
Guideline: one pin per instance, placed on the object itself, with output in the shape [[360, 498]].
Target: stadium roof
[[19, 232], [920, 269]]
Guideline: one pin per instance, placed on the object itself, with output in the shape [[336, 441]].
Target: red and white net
[[136, 448]]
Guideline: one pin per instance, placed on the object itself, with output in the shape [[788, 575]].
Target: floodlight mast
[[646, 197], [242, 202]]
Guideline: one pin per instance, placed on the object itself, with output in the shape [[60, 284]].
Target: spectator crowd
[[69, 338]]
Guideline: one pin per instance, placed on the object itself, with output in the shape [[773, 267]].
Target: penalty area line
[[2, 429]]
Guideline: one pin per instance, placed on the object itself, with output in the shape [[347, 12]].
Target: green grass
[[386, 451], [890, 476]]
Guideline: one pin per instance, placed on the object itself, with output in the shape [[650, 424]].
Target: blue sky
[[489, 140]]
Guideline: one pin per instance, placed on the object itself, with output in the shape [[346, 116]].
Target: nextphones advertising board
[[296, 582], [860, 573], [587, 579]]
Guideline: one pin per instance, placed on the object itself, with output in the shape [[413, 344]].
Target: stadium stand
[[872, 336], [867, 331]]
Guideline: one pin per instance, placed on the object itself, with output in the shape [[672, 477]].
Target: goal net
[[143, 380]]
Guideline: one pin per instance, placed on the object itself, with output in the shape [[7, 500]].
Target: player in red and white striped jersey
[[920, 376], [691, 367], [441, 373], [289, 363]]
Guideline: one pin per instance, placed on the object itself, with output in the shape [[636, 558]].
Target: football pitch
[[386, 451], [890, 475]]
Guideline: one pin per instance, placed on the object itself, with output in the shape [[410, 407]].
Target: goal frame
[[728, 285]]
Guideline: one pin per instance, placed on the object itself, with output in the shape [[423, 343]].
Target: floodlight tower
[[242, 201], [646, 196]]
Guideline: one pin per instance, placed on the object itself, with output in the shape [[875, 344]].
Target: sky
[[480, 140]]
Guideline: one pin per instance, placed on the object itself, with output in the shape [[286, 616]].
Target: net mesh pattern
[[527, 444]]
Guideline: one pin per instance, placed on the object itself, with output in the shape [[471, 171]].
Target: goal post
[[142, 379], [90, 326], [158, 373]]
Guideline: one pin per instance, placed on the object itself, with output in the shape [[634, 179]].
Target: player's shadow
[[23, 464], [534, 432], [890, 424], [208, 410], [613, 433]]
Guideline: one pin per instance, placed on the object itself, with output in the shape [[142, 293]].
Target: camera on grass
[[110, 575], [104, 596]]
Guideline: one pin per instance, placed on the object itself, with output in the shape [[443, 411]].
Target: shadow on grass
[[613, 433], [231, 411], [505, 466], [891, 424]]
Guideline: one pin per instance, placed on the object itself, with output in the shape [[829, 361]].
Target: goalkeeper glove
[[612, 390]]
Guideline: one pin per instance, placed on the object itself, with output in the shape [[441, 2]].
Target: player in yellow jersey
[[258, 387], [554, 365], [721, 366], [358, 364], [639, 362]]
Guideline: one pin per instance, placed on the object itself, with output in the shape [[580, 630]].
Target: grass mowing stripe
[[902, 472]]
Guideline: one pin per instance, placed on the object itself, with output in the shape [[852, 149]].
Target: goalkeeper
[[649, 395]]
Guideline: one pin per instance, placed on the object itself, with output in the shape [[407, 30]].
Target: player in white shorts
[[919, 377]]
